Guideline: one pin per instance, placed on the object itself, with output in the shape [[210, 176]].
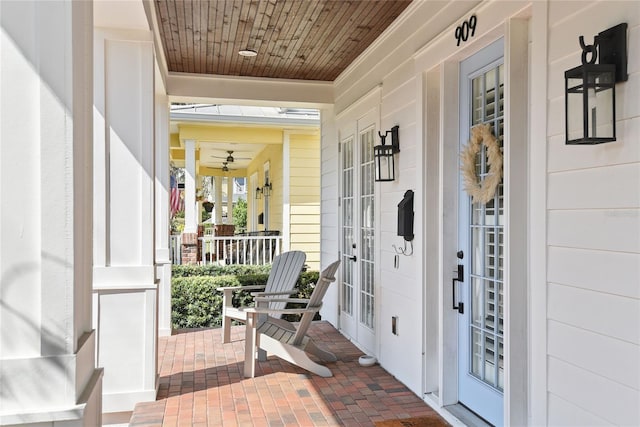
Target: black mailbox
[[405, 216]]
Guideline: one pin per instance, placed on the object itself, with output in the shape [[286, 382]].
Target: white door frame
[[440, 90], [481, 397], [364, 337], [347, 124]]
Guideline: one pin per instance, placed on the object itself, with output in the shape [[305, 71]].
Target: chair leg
[[226, 329], [262, 355], [251, 338]]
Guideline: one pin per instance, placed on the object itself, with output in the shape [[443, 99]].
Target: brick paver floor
[[201, 384]]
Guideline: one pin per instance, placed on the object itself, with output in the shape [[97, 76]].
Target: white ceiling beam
[[184, 87]]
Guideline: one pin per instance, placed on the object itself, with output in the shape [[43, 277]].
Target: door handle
[[460, 278], [352, 258]]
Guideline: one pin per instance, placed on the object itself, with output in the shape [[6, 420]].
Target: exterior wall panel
[[329, 246], [593, 237]]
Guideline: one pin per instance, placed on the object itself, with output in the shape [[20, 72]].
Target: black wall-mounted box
[[405, 216]]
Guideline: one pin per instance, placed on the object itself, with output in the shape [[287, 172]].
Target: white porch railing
[[176, 248], [248, 250]]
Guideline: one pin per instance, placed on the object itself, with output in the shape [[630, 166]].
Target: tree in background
[[240, 216]]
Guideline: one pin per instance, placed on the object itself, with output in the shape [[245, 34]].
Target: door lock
[[460, 278], [352, 258]]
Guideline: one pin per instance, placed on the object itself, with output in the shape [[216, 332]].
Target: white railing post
[[176, 249]]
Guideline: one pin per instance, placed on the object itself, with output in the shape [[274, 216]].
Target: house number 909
[[462, 31]]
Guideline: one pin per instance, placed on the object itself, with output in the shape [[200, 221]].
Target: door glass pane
[[366, 227], [347, 225], [487, 242], [476, 302], [477, 101], [476, 350]]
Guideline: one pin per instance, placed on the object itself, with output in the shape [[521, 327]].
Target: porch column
[[218, 204], [48, 371], [229, 200], [125, 292], [190, 233], [286, 191], [190, 220], [163, 256]]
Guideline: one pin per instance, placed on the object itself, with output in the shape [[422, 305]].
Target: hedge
[[196, 303], [218, 270]]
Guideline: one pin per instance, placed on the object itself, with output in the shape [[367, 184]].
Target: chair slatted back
[[327, 276], [284, 274]]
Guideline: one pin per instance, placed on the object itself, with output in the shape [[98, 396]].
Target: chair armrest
[[240, 288], [264, 294], [265, 310], [294, 300]]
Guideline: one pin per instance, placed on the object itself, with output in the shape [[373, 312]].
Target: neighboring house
[[275, 146], [549, 333]]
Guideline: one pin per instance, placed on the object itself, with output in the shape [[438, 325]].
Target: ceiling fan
[[225, 168], [230, 158]]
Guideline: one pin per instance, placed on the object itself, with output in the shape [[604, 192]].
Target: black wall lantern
[[266, 190], [383, 154], [590, 89]]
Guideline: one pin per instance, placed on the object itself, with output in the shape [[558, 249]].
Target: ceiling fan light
[[247, 52]]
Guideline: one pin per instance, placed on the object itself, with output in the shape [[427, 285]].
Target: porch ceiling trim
[[268, 121], [249, 91], [227, 134]]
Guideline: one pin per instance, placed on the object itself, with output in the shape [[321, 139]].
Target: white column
[[286, 186], [218, 205], [190, 219], [125, 287], [47, 346], [163, 257], [229, 200]]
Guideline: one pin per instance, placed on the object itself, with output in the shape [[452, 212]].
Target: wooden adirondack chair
[[282, 279], [284, 339]]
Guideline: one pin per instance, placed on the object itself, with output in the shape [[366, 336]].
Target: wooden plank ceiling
[[294, 39]]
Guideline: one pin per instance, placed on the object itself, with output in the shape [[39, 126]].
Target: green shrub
[[196, 302], [218, 270]]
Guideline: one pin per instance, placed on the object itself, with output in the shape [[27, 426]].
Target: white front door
[[357, 291], [481, 247]]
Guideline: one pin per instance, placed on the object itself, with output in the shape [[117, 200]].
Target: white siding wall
[[401, 288], [390, 63], [585, 322], [593, 237], [329, 245]]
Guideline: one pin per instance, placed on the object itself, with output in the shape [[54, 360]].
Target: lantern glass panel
[[600, 105], [385, 170], [590, 104]]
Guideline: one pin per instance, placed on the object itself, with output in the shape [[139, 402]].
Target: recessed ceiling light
[[247, 52]]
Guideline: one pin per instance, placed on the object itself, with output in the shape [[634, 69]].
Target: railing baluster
[[248, 250]]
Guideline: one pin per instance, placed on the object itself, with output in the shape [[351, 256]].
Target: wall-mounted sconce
[[383, 154], [590, 89], [266, 190]]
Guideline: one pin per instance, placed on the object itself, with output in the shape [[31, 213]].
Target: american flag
[[174, 200]]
